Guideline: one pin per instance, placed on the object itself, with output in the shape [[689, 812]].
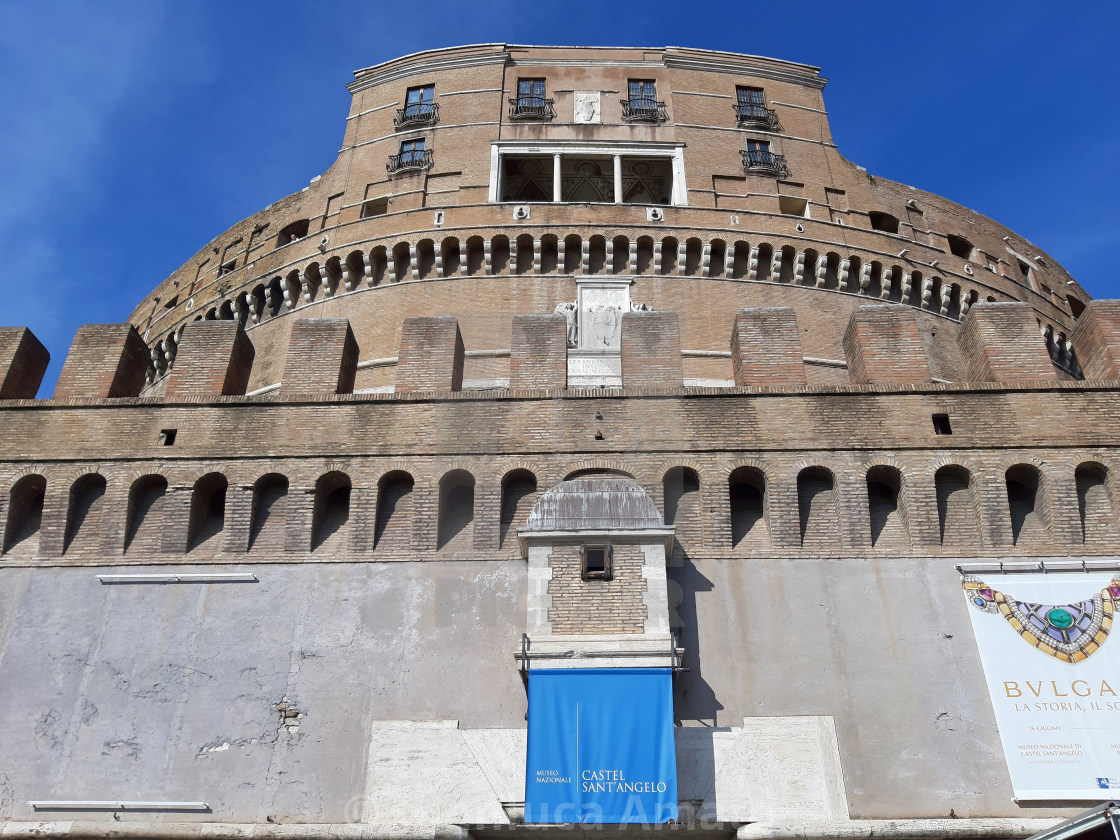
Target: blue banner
[[601, 746]]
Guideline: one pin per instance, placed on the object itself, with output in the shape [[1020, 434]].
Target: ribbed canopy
[[595, 504]]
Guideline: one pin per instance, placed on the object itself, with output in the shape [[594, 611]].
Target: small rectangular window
[[750, 96], [418, 101], [167, 437], [226, 268], [596, 562], [941, 425], [375, 207], [788, 205], [530, 91], [642, 93], [412, 151]]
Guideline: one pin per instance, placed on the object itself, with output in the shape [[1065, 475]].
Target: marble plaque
[[600, 316], [595, 366], [586, 106]]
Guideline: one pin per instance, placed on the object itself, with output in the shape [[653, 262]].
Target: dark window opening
[[375, 207], [227, 267], [941, 425], [960, 247], [596, 562], [292, 232], [167, 437], [883, 221]]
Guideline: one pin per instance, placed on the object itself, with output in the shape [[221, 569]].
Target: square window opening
[[596, 562], [167, 437], [375, 207], [941, 425], [791, 206]]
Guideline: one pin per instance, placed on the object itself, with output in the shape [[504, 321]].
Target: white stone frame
[[673, 151]]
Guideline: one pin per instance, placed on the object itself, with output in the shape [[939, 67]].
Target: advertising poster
[[1053, 672], [601, 746]]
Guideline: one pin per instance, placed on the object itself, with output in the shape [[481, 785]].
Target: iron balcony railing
[[753, 115], [763, 160], [415, 159], [644, 109], [417, 113], [531, 108]]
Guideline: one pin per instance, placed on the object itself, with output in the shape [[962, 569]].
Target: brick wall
[[322, 356], [587, 607], [883, 344], [23, 361], [105, 360], [431, 355], [651, 350], [1001, 342], [214, 358], [766, 347], [1096, 340], [538, 352]]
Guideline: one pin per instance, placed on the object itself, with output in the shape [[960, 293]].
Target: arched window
[[393, 529], [957, 514], [746, 488], [332, 512], [1094, 503], [25, 515], [144, 533], [267, 528], [816, 506], [1026, 505], [456, 512], [884, 503], [85, 513], [519, 488], [208, 511], [681, 487]]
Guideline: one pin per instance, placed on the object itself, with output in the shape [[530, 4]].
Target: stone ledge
[[504, 394]]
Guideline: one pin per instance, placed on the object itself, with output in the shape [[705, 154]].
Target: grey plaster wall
[[884, 645], [170, 692]]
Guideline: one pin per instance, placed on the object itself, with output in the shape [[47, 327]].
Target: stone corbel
[[414, 261], [842, 275], [888, 277], [799, 268], [752, 264], [822, 270], [776, 266], [488, 256]]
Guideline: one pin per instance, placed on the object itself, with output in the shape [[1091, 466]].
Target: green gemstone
[[1060, 618]]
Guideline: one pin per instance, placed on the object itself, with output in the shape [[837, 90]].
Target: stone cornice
[[797, 74], [425, 63]]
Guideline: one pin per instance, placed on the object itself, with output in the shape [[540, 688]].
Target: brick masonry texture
[[538, 352], [766, 347], [651, 349], [215, 358], [322, 357], [1097, 337], [1000, 343], [431, 355], [597, 606], [23, 361], [105, 360], [883, 344]]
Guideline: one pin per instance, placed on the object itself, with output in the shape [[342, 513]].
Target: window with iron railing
[[759, 157], [419, 107], [751, 110], [414, 154], [530, 103], [641, 104]]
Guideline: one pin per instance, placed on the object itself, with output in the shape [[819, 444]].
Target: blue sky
[[132, 133]]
